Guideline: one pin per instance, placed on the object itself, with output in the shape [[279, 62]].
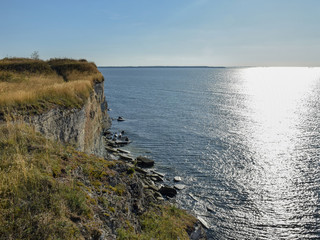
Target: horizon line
[[182, 66]]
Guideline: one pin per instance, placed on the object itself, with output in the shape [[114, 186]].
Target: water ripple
[[245, 141]]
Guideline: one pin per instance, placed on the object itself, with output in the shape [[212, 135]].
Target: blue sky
[[166, 32]]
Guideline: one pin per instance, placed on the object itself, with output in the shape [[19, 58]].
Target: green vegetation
[[31, 86], [161, 222], [39, 194], [51, 191]]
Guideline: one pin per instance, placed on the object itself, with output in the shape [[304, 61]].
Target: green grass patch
[[161, 222], [39, 199], [51, 191]]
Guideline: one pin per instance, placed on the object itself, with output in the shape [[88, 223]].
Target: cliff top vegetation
[[31, 86]]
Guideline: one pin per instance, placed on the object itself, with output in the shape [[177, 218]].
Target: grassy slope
[[30, 86], [51, 191]]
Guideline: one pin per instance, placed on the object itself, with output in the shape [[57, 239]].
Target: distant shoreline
[[160, 67]]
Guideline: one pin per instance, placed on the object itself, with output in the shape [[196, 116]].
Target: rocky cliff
[[82, 127]]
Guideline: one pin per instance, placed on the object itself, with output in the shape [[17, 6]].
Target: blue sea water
[[246, 142]]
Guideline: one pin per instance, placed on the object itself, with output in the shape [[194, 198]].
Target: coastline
[[152, 180], [56, 178]]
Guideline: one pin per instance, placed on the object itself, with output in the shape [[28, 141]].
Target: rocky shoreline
[[152, 180]]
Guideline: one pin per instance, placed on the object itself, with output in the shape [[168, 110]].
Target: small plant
[[35, 55], [130, 171]]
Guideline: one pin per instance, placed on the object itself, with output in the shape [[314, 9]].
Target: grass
[[30, 86], [164, 222], [39, 196], [51, 191]]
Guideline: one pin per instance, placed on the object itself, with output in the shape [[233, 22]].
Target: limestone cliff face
[[81, 127]]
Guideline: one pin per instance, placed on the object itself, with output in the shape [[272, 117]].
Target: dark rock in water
[[120, 119], [179, 186], [144, 162], [168, 191]]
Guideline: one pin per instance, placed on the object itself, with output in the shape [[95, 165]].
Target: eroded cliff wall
[[82, 127]]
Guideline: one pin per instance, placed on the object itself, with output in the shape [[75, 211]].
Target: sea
[[245, 141]]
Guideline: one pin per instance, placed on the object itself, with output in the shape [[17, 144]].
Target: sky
[[164, 33]]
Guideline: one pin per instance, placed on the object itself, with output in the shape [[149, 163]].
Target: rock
[[67, 125], [210, 209], [193, 197], [158, 173], [203, 222], [157, 194], [177, 179], [120, 119], [144, 162], [126, 157], [110, 143], [198, 233], [168, 191], [155, 177], [113, 157], [160, 198], [179, 186], [110, 149], [123, 151], [154, 188], [140, 170], [120, 142]]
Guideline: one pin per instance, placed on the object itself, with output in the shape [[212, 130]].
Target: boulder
[[179, 186], [177, 179], [168, 191], [203, 222], [144, 162]]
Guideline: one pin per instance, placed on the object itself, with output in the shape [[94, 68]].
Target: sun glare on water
[[278, 104]]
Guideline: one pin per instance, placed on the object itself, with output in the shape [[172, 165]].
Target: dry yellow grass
[[45, 89], [67, 83]]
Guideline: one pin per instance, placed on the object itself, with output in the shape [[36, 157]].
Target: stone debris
[[179, 186], [168, 191], [177, 179], [144, 162], [203, 222]]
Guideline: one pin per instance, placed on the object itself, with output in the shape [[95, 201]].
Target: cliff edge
[[82, 127], [53, 113], [62, 98]]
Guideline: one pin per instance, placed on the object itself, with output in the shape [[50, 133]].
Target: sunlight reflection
[[277, 100]]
